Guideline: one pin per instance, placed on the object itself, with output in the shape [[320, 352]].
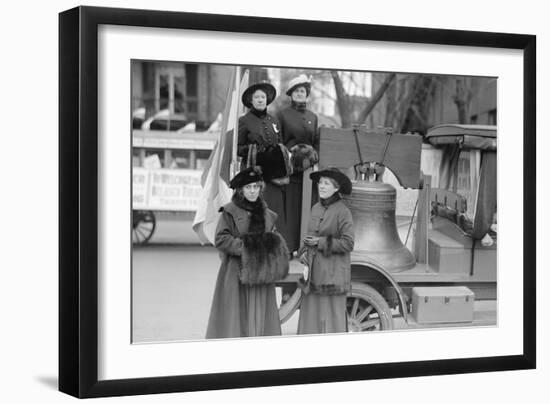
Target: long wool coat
[[244, 310], [299, 126], [323, 309], [265, 132]]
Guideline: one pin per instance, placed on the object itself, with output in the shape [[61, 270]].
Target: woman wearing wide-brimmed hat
[[299, 127], [260, 143], [328, 245], [254, 257]]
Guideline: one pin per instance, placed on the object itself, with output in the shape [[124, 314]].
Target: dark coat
[[232, 313], [264, 132], [323, 308], [298, 127], [331, 267]]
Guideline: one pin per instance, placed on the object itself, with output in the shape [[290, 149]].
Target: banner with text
[[166, 189]]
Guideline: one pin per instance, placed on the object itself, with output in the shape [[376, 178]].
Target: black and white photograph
[[283, 201], [275, 202]]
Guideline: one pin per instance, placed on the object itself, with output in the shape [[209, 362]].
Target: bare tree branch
[[341, 100], [376, 98], [407, 101]]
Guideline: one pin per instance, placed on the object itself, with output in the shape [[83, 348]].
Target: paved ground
[[172, 292], [173, 285]]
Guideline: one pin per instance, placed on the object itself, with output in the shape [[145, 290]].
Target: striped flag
[[216, 174]]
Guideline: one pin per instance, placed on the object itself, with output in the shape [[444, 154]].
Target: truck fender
[[374, 266]]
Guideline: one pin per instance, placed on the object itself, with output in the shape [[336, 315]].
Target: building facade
[[196, 91]]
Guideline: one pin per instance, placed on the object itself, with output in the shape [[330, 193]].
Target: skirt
[[241, 310], [321, 314], [274, 197]]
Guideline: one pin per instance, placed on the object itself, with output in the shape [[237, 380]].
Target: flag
[[215, 177]]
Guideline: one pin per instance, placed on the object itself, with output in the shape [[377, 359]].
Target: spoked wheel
[[143, 226], [367, 310]]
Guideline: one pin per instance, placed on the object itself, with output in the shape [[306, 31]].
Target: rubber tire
[[290, 306], [152, 219], [376, 300]]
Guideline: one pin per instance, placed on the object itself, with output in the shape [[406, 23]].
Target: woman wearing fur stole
[[328, 244], [254, 257], [299, 127]]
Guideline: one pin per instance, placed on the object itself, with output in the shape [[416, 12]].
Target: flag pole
[[234, 162]]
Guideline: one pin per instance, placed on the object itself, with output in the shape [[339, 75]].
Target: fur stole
[[330, 200], [264, 258], [257, 212]]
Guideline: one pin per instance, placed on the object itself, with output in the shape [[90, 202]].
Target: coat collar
[[331, 200], [241, 217]]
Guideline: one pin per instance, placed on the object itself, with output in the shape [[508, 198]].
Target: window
[[170, 88], [202, 158], [492, 120], [192, 90], [179, 92], [181, 159], [164, 92]]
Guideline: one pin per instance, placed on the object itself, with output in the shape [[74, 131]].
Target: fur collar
[[257, 212], [329, 201], [259, 113], [299, 106]]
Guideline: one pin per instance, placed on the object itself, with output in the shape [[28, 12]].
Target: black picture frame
[[78, 200]]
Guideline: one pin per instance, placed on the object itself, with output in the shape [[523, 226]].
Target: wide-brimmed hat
[[342, 179], [246, 176], [301, 81], [266, 87]]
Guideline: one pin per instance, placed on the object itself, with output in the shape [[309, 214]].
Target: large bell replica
[[372, 205], [373, 202]]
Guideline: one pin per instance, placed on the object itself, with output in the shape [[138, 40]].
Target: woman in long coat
[[260, 143], [299, 127], [254, 256], [329, 242]]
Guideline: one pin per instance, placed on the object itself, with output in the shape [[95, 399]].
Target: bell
[[372, 206]]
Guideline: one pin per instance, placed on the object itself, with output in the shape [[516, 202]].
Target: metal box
[[449, 304], [446, 255]]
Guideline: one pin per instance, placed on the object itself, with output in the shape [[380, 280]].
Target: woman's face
[[299, 95], [252, 191], [259, 100], [326, 188]]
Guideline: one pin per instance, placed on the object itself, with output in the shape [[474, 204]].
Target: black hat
[[267, 88], [246, 176], [342, 179]]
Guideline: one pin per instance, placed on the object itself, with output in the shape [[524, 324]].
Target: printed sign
[[166, 189]]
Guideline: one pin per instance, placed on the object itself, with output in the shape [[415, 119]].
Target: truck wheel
[[143, 226], [367, 310], [289, 305]]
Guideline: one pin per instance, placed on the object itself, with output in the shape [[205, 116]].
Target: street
[[172, 291], [173, 279]]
